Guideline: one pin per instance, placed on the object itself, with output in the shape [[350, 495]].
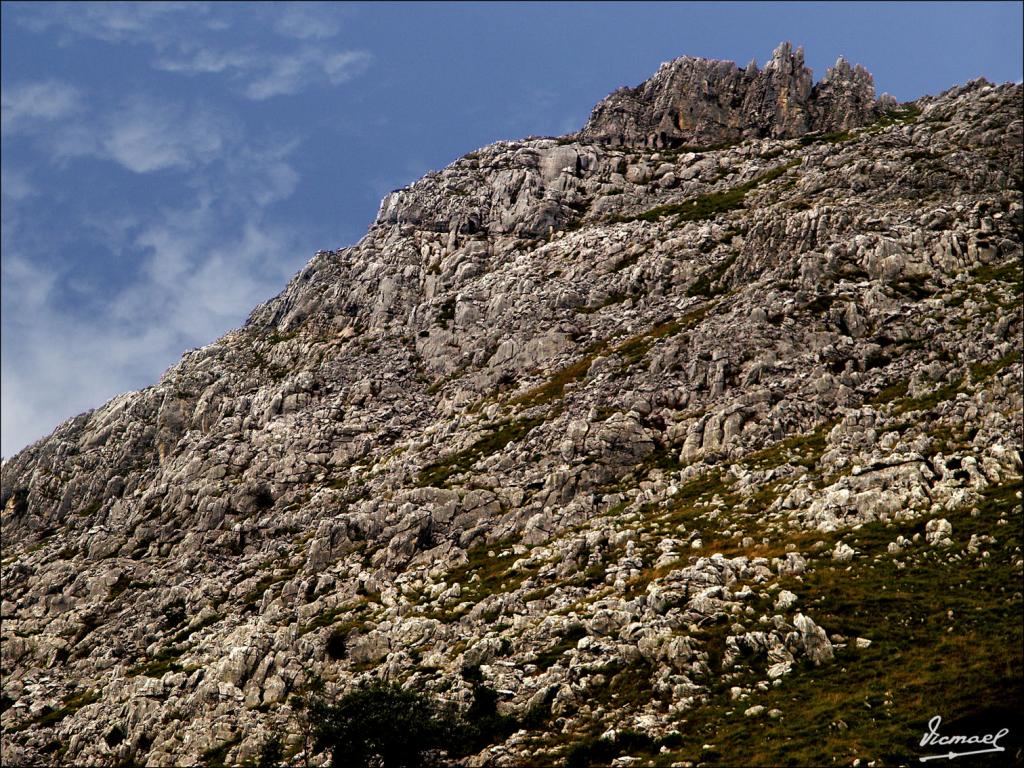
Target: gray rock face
[[589, 418], [703, 103]]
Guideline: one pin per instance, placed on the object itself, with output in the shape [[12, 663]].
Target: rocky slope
[[698, 454]]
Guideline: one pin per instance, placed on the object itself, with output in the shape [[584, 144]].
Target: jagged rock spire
[[707, 102]]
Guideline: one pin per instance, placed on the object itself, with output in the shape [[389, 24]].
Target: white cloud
[[187, 39], [292, 73], [24, 105], [152, 23], [144, 135], [195, 265], [266, 75], [345, 65], [205, 265], [206, 61], [306, 21]]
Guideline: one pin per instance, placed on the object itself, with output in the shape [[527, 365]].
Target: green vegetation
[[550, 656], [92, 508], [635, 348], [272, 370], [354, 611], [831, 137], [50, 718], [800, 450], [945, 640], [271, 754], [255, 595], [982, 371], [1012, 272], [484, 574], [165, 661], [497, 437], [595, 750], [713, 203], [902, 115], [277, 338], [610, 300], [383, 725], [216, 757], [889, 393], [930, 400], [553, 389], [913, 286]]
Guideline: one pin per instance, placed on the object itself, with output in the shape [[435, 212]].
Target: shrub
[[383, 725], [271, 753]]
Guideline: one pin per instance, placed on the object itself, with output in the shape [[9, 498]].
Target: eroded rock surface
[[587, 414]]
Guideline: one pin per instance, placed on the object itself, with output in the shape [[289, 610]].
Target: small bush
[[271, 754], [383, 725]]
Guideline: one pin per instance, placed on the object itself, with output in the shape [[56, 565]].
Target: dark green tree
[[382, 725]]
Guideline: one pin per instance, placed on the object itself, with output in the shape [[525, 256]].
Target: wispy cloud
[[144, 135], [292, 73], [306, 21], [23, 105], [110, 297], [152, 23], [263, 76], [206, 61], [201, 266], [147, 137], [187, 39]]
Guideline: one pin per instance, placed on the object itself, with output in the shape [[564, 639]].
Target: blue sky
[[168, 166]]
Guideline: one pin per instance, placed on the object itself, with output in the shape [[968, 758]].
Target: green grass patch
[[483, 575], [253, 596], [1012, 273], [555, 388], [711, 204], [946, 640], [50, 718], [831, 137], [333, 616], [928, 401], [496, 438], [982, 371], [550, 656], [803, 450], [163, 662], [889, 393], [216, 757], [277, 338]]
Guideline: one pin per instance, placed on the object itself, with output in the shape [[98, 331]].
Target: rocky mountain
[[693, 437], [703, 103]]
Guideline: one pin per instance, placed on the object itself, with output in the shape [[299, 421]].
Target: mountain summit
[[702, 103], [691, 438]]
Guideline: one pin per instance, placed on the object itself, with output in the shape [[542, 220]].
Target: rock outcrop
[[704, 103], [639, 439]]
